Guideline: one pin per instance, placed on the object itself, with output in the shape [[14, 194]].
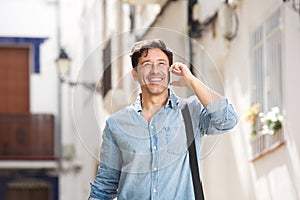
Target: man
[[144, 151]]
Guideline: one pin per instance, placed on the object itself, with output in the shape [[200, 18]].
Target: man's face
[[152, 71]]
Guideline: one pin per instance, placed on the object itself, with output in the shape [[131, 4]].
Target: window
[[28, 186], [266, 78], [28, 190]]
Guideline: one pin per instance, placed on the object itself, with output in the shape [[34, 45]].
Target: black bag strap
[[198, 191]]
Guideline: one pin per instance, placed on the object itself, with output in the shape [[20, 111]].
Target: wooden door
[[14, 80]]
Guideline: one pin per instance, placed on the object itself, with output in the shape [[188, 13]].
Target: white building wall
[[272, 176], [228, 172], [291, 61], [19, 19], [82, 111]]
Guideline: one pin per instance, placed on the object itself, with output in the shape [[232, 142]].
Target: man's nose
[[154, 68]]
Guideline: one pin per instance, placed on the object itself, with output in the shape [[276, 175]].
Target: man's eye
[[147, 65]]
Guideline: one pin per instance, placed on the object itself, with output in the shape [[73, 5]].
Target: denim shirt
[[149, 160]]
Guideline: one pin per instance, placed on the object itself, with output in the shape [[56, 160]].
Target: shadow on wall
[[275, 176]]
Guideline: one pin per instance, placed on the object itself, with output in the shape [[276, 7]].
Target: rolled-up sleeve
[[218, 117], [106, 182]]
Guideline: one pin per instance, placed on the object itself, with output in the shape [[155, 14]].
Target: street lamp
[[63, 69], [63, 63]]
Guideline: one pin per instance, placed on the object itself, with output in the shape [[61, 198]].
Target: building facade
[[50, 124]]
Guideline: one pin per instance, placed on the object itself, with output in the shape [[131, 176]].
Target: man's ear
[[134, 75]]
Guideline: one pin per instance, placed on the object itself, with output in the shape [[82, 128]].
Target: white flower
[[265, 130], [271, 121], [272, 132], [275, 110]]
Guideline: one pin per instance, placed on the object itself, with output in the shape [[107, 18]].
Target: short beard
[[163, 87], [157, 92]]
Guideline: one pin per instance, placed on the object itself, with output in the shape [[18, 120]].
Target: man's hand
[[204, 94], [184, 72]]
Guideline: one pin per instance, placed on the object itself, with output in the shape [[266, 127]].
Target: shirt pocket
[[176, 140]]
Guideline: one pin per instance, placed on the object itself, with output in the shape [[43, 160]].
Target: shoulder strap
[[198, 191]]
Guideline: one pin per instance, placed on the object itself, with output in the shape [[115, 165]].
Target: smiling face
[[152, 71]]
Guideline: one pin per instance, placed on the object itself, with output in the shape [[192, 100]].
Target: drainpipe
[[58, 121], [104, 20], [119, 22]]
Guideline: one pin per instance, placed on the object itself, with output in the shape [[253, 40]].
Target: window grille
[[264, 143], [28, 189], [266, 79]]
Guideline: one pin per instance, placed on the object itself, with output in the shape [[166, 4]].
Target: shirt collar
[[172, 101]]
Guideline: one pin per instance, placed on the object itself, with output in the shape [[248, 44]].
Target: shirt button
[[152, 127], [154, 147], [155, 168], [154, 190]]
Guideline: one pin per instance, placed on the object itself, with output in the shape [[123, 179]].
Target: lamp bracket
[[88, 85]]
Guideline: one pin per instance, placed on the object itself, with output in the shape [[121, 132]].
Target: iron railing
[[264, 143]]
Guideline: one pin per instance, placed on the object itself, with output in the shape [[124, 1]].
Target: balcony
[[27, 137]]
